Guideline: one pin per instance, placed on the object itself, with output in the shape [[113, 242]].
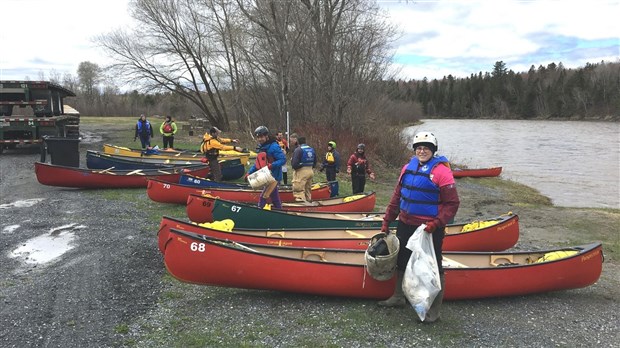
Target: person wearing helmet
[[425, 194], [331, 165], [303, 162], [275, 160], [211, 145], [284, 146], [358, 166]]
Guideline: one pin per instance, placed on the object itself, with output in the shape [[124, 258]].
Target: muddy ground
[[108, 287]]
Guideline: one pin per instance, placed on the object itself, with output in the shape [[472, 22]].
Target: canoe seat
[[310, 255], [276, 234], [500, 260], [450, 263], [106, 171]]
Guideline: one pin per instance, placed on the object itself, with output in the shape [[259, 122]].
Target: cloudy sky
[[437, 38]]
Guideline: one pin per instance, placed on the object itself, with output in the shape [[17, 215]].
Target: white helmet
[[382, 265], [426, 139]]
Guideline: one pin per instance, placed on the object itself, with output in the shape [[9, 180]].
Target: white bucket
[[261, 178]]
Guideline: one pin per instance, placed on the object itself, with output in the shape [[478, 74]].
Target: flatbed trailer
[[49, 117]]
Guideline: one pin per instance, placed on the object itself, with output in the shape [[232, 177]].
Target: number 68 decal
[[200, 247]]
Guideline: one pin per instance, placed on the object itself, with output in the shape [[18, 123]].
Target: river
[[574, 163]]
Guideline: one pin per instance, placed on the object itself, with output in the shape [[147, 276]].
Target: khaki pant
[[302, 183]]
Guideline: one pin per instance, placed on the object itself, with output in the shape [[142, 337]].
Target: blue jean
[[145, 140]]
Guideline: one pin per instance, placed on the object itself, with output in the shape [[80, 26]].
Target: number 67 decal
[[235, 208]]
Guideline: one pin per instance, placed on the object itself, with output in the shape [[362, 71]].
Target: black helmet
[[361, 146], [261, 130]]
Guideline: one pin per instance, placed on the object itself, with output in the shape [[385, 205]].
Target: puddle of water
[[47, 247], [9, 229], [90, 138], [22, 204]]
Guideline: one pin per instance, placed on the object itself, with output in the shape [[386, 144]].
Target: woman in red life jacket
[[358, 167], [168, 129], [425, 194]]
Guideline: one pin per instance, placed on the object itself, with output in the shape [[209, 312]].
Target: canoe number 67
[[235, 208], [200, 247]]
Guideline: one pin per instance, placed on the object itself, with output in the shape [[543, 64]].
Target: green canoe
[[250, 216]]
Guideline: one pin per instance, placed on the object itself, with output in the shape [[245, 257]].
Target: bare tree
[[171, 49]]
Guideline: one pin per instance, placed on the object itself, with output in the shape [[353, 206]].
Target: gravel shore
[[109, 288]]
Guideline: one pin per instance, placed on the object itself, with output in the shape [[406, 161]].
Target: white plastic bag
[[421, 283]]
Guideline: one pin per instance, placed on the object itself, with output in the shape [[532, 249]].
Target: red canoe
[[498, 237], [165, 192], [54, 175], [190, 258], [198, 259], [476, 173], [199, 207]]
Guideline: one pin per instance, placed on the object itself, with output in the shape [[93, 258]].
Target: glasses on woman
[[422, 148]]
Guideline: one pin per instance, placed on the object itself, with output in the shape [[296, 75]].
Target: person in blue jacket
[[275, 161], [303, 162], [144, 130]]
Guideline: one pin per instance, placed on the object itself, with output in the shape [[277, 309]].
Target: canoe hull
[[165, 192], [574, 272], [199, 207], [351, 238], [192, 261], [168, 154], [52, 175], [477, 173], [231, 170], [498, 237], [200, 260]]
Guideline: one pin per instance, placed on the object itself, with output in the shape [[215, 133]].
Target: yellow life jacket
[[476, 225], [329, 157], [556, 255], [353, 198]]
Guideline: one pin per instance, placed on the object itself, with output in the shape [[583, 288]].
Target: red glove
[[431, 226], [269, 166], [203, 160], [385, 227]]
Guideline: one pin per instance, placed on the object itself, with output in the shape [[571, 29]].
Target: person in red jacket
[[358, 167], [425, 194]]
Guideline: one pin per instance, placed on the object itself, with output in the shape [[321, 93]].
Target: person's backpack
[[168, 128]]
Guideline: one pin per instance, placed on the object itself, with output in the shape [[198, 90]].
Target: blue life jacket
[[308, 156], [419, 195], [147, 130]]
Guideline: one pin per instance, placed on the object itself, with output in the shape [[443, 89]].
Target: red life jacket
[[168, 128]]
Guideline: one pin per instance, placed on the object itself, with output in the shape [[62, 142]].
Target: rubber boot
[[433, 314], [398, 299]]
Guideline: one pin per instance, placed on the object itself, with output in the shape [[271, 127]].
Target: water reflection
[[49, 246], [574, 163]]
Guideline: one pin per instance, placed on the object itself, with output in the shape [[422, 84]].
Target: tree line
[[590, 92]]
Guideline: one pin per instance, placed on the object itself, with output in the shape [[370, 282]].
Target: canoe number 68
[[200, 247], [235, 208]]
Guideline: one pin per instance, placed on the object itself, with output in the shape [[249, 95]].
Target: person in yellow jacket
[[168, 129], [211, 146]]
